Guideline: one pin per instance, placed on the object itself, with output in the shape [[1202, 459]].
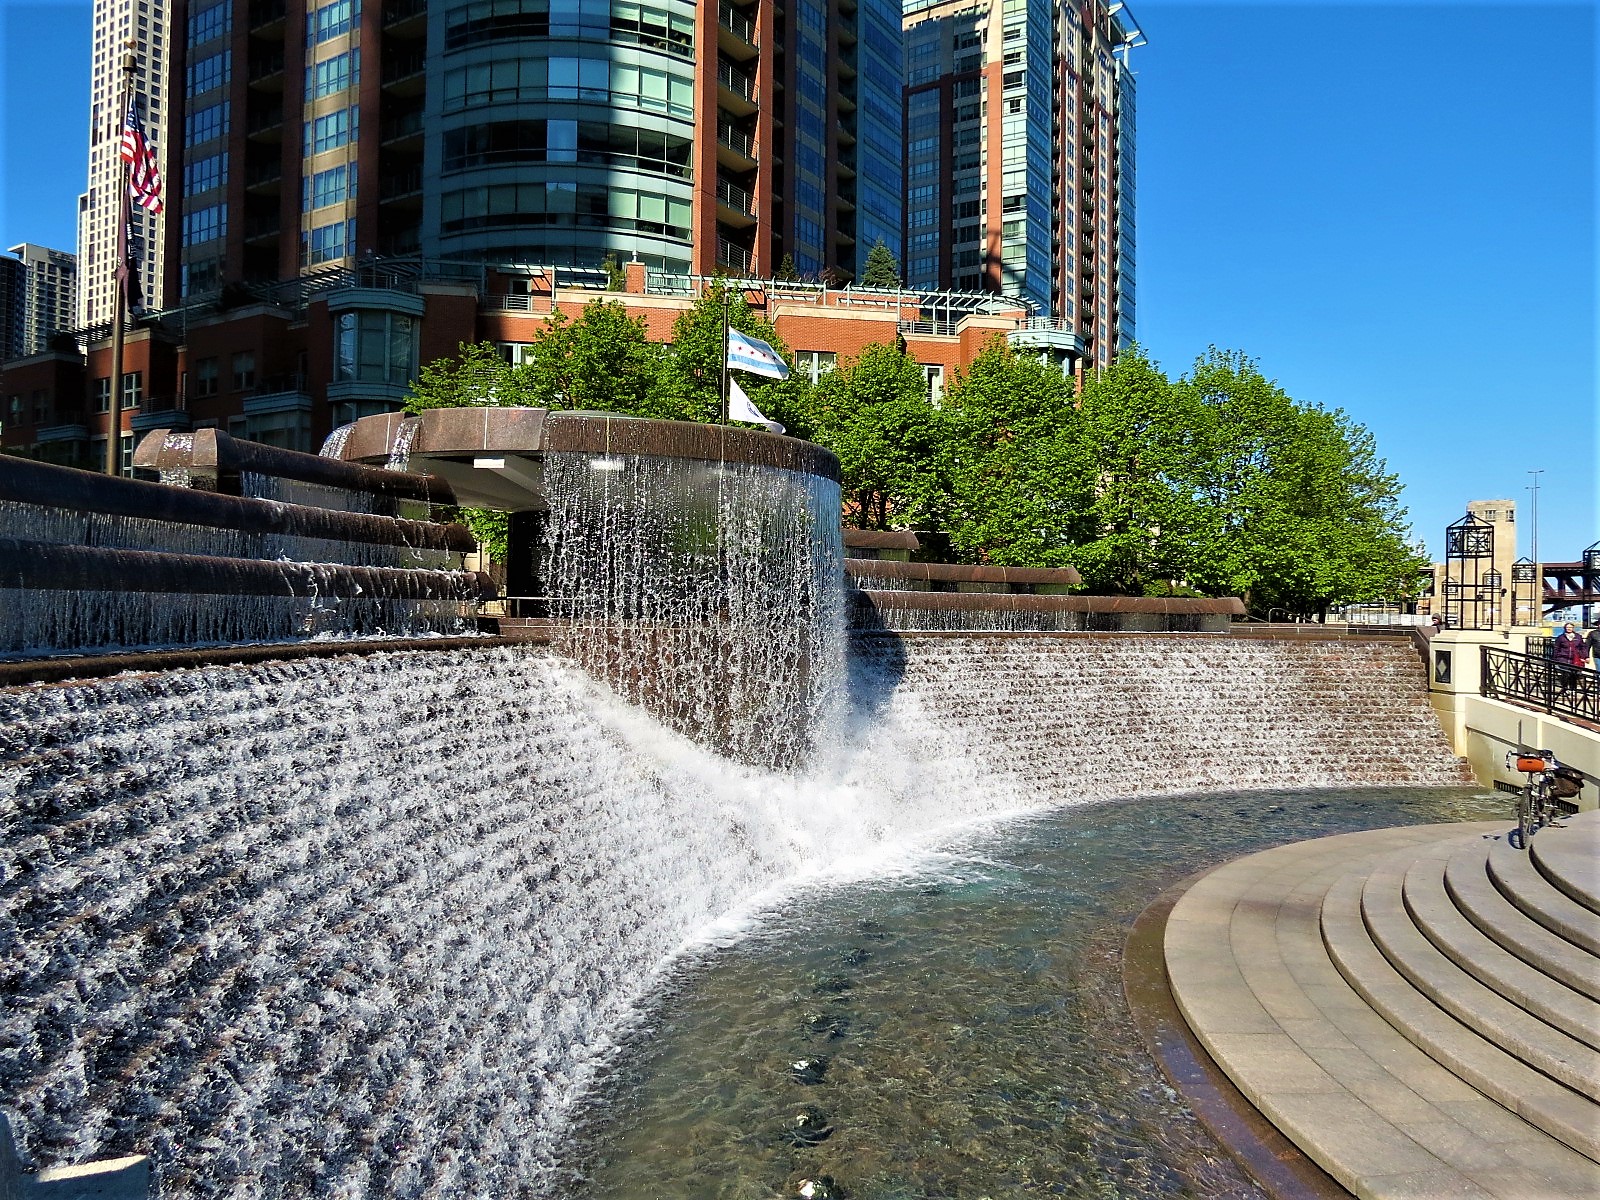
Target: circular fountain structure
[[370, 925]]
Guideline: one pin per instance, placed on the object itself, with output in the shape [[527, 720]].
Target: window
[[244, 371], [208, 23], [333, 75], [125, 454], [201, 175], [330, 187], [208, 73], [327, 243], [41, 407], [102, 395], [934, 374], [331, 131], [132, 389], [205, 377], [331, 20], [205, 224], [375, 347], [206, 123]]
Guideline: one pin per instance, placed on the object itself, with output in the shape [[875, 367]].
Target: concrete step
[[1568, 855], [1497, 966], [1482, 1010], [1564, 1114], [1250, 970], [1466, 877], [1521, 882]]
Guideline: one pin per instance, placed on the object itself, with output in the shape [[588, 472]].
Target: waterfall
[[368, 926], [711, 593], [333, 445], [400, 452]]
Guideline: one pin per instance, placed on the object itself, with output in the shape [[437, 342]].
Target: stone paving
[[1418, 1009]]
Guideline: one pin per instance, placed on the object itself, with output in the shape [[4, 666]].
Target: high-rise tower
[[49, 294], [143, 27], [1019, 129], [691, 135]]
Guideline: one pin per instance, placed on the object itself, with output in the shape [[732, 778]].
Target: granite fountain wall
[[366, 926]]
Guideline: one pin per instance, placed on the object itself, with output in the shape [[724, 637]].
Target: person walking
[[1591, 645], [1570, 654]]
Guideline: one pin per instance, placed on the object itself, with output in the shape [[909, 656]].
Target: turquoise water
[[953, 1029]]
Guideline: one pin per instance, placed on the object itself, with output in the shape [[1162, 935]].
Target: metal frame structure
[[1469, 545]]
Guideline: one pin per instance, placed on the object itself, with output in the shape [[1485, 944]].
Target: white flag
[[740, 408], [746, 353]]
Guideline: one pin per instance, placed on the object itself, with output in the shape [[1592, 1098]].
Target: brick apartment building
[[287, 365]]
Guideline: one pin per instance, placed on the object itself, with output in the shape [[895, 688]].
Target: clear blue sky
[[1390, 206]]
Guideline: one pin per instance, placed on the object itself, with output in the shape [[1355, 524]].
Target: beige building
[[1477, 586], [147, 24]]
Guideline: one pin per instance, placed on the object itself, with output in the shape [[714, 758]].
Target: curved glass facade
[[564, 131]]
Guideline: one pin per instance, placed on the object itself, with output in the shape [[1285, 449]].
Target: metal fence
[[1533, 679]]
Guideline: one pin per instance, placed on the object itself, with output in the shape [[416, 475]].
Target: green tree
[[1138, 436], [603, 360], [616, 276], [874, 413], [479, 375], [881, 269], [691, 371], [787, 270], [1301, 513], [1013, 462]]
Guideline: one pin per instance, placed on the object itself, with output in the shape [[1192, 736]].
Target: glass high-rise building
[[691, 135], [1019, 173]]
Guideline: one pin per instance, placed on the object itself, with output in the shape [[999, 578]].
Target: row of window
[[332, 130], [331, 21], [332, 75], [327, 243], [333, 186], [212, 71], [213, 21], [595, 142], [622, 21], [203, 174], [205, 224], [204, 124], [564, 203], [515, 80]]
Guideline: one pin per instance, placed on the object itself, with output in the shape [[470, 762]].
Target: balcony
[[266, 16], [265, 124], [403, 128], [736, 33], [736, 257], [735, 206], [266, 70], [736, 90], [735, 148], [403, 74], [398, 13], [258, 229], [400, 185], [264, 176]]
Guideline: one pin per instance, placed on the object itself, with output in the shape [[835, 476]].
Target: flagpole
[[119, 290], [723, 387]]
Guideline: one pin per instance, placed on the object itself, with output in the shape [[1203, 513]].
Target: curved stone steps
[[1272, 962], [1544, 1103], [1520, 882], [1473, 892], [1571, 861], [1516, 1031], [1520, 981]]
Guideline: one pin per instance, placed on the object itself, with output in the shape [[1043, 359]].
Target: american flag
[[144, 177]]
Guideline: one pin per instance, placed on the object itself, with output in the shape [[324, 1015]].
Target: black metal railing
[[1559, 689]]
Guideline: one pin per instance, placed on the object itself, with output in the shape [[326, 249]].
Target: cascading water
[[333, 445], [710, 593], [367, 927]]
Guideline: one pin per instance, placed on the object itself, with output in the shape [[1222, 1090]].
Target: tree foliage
[[1217, 483], [881, 269]]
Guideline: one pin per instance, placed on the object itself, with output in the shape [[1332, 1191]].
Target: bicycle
[[1548, 782]]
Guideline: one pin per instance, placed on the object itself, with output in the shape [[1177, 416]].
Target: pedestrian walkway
[[1418, 1009]]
